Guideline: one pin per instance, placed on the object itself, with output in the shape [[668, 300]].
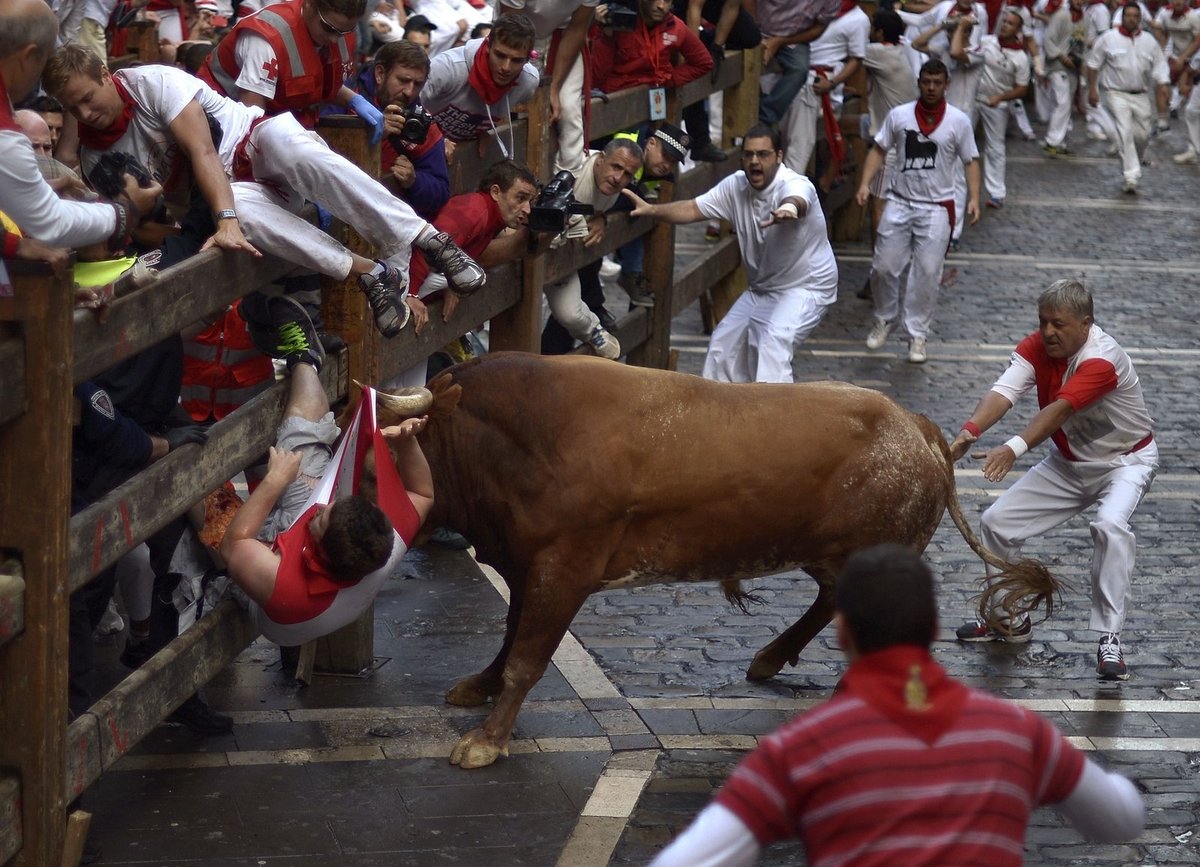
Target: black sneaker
[[707, 153], [200, 718], [384, 293], [444, 537], [462, 272], [280, 328], [136, 653], [1110, 661], [978, 631], [634, 283]]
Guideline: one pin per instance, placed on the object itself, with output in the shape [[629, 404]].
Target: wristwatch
[[227, 214]]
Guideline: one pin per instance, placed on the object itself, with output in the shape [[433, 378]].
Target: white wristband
[[1018, 446], [789, 207]]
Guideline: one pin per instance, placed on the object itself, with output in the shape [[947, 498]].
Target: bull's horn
[[404, 402]]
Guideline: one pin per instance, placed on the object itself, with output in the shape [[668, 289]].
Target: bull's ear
[[446, 394]]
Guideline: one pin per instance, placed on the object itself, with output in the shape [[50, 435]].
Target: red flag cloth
[[833, 129]]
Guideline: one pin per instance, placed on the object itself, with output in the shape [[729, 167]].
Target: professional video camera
[[556, 203], [417, 122]]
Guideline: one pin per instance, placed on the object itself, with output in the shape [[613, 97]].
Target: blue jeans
[[794, 60], [632, 256]]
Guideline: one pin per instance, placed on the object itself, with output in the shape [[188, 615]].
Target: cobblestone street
[[647, 708]]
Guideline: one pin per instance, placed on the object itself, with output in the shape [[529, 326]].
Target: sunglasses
[[329, 28]]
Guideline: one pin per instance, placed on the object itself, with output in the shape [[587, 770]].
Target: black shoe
[[634, 283], [865, 291], [444, 537], [607, 321], [331, 342], [708, 153], [280, 328], [194, 714], [462, 272], [136, 653], [384, 293]]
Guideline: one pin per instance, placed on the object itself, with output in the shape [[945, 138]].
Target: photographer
[[413, 151], [604, 175], [648, 53]]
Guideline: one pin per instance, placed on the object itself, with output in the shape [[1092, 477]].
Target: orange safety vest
[[222, 369], [306, 76]]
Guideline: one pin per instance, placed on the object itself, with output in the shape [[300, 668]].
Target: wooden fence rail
[[48, 349]]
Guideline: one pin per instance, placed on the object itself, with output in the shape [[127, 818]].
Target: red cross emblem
[[270, 68]]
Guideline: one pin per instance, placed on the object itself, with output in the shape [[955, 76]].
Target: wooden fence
[[46, 348]]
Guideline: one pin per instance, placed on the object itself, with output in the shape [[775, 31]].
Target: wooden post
[[142, 40], [347, 313], [35, 501], [520, 327]]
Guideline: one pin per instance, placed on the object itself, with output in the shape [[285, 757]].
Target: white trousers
[[566, 306], [570, 121], [799, 126], [1056, 490], [1099, 120], [1132, 113], [296, 165], [1191, 115], [1061, 90], [995, 124], [170, 25], [757, 338], [917, 233]]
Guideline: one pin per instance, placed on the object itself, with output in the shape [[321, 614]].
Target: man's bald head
[[28, 29], [36, 129]]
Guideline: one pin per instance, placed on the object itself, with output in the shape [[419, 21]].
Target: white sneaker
[[609, 269], [604, 344], [111, 623], [1131, 186], [916, 351], [1188, 158], [879, 334]]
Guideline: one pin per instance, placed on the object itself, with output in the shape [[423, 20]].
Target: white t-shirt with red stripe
[[1099, 382]]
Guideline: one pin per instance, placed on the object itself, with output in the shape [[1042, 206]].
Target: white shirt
[[458, 109], [547, 15], [891, 80], [1130, 65], [1003, 68], [925, 166], [1180, 31], [1096, 20], [964, 78], [159, 94], [445, 15], [845, 37], [258, 69], [791, 255]]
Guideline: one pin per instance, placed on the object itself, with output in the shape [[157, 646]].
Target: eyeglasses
[[329, 28], [762, 155]]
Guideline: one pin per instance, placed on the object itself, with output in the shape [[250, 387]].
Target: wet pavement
[[647, 708]]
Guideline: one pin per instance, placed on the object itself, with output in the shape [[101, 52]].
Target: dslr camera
[[556, 204], [417, 122], [621, 19], [107, 178]]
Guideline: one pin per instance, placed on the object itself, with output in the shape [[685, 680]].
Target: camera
[[621, 19], [555, 204], [107, 177], [417, 122]]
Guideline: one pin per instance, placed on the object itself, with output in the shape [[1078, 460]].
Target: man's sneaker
[[609, 268], [384, 293], [1130, 187], [975, 631], [712, 233], [879, 334], [111, 622], [280, 328], [200, 718], [917, 353], [444, 537], [1054, 151], [1188, 158], [634, 283], [994, 202], [1110, 661], [604, 344], [462, 272]]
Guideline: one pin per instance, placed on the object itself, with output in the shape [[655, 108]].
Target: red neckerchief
[[480, 77], [1014, 44], [904, 684], [846, 6], [929, 119], [103, 139], [1124, 32], [1052, 7]]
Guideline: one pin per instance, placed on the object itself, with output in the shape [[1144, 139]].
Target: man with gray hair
[[1092, 408]]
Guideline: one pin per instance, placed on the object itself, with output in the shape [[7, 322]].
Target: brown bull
[[572, 475]]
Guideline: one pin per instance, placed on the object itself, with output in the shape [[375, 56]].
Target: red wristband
[[971, 428]]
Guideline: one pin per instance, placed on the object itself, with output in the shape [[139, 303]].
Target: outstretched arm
[[1104, 807], [685, 211], [411, 463], [999, 460], [990, 409]]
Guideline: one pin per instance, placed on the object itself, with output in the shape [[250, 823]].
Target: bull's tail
[[1019, 588], [736, 596]]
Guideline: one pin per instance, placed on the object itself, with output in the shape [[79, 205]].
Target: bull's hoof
[[763, 668], [476, 749], [468, 693]]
